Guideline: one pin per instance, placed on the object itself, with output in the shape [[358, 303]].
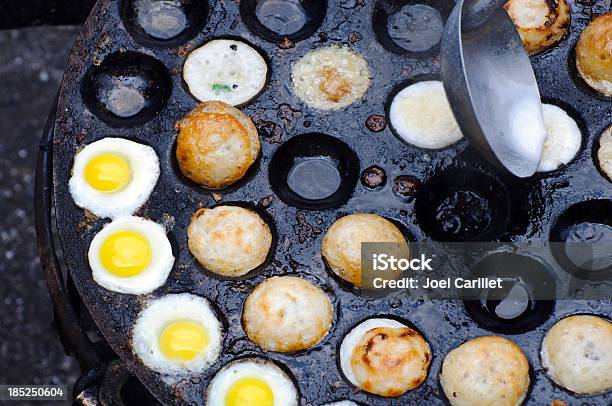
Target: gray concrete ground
[[32, 61]]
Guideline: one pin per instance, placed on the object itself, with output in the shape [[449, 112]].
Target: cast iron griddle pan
[[112, 43]]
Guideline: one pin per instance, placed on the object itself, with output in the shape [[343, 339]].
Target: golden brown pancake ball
[[485, 371], [229, 240], [287, 314], [594, 54], [342, 243], [577, 354], [540, 23], [217, 144], [385, 357]]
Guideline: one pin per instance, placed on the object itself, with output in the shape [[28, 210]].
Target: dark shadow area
[[32, 68], [25, 13]]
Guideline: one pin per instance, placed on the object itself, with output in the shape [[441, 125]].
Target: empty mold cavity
[[581, 239], [164, 22], [411, 27], [528, 205], [127, 88], [463, 204], [275, 20], [525, 299], [314, 171]]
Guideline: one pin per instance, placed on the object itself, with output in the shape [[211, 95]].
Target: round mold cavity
[[318, 282], [458, 343], [314, 171], [394, 92], [399, 319], [413, 248], [265, 216], [277, 20], [580, 122], [577, 78], [515, 308], [164, 23], [259, 50], [126, 89], [556, 320], [463, 204], [595, 152], [184, 180], [256, 356], [411, 27], [528, 205], [581, 240]]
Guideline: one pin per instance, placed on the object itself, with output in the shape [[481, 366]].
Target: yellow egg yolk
[[107, 172], [183, 340], [125, 253], [249, 392]]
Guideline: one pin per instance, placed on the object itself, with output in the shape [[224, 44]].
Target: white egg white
[[563, 139], [144, 168], [157, 315], [225, 70], [283, 389], [341, 403], [148, 280], [421, 115], [351, 340]]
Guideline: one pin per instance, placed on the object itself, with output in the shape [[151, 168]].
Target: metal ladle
[[491, 86]]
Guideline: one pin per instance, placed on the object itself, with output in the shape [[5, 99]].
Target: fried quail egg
[[177, 334], [341, 246], [229, 240], [341, 403], [563, 139], [485, 371], [594, 54], [253, 382], [604, 153], [577, 354], [385, 357], [225, 70], [131, 255], [113, 177], [540, 23], [216, 145], [331, 78], [421, 115], [286, 314]]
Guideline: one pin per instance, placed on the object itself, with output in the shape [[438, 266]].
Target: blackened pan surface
[[534, 205]]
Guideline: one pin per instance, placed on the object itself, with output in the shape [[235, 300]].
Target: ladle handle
[[476, 13]]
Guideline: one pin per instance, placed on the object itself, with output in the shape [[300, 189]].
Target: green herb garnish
[[221, 87]]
